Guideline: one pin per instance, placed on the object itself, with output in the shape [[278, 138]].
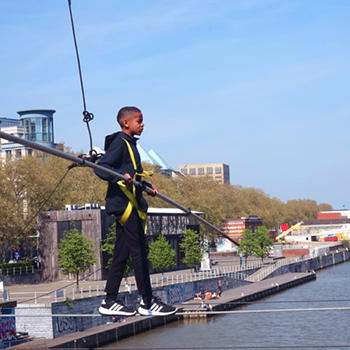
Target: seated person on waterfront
[[198, 296]]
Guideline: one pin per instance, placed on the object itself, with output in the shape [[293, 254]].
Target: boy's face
[[134, 125]]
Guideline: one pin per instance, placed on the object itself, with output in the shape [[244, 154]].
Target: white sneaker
[[115, 308], [157, 308]]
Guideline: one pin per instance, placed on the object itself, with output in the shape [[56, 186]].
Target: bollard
[[73, 294], [97, 291], [36, 301], [64, 294], [89, 291], [156, 281], [81, 292]]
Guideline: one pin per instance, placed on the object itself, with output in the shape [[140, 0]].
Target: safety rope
[[87, 116], [208, 312]]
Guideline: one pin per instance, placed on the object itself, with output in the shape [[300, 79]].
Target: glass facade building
[[38, 125]]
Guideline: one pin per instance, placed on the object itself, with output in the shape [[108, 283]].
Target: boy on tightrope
[[126, 203]]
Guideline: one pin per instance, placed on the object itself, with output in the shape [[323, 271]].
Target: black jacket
[[117, 158]]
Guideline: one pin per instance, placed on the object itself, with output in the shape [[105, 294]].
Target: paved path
[[46, 292]]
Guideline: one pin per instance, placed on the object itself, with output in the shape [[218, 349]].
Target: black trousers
[[130, 240]]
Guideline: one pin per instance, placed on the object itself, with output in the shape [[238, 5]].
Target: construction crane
[[285, 233]]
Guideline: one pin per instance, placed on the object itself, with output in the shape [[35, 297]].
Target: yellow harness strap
[[132, 195]]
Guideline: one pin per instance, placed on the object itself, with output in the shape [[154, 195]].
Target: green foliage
[[345, 243], [191, 248], [23, 189], [75, 253], [69, 302], [264, 242], [18, 264], [26, 183], [227, 201], [108, 247], [256, 243], [248, 244], [161, 255], [15, 268], [109, 244]]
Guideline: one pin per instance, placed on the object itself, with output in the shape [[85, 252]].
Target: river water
[[273, 330]]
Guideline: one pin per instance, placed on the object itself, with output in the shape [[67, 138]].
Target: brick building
[[235, 227]]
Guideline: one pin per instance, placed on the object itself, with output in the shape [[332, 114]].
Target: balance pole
[[88, 164]]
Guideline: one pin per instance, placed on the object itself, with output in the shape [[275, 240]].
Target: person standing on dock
[[125, 201]]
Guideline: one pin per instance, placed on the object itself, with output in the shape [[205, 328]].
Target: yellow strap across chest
[[132, 195]]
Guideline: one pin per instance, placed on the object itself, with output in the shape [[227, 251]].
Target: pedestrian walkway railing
[[269, 269], [243, 272], [234, 271], [22, 270]]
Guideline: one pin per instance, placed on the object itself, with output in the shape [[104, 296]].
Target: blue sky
[[262, 85]]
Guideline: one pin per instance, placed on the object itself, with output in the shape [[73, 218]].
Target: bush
[[7, 269]]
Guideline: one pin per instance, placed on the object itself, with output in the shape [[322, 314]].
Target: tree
[[248, 244], [109, 243], [191, 248], [108, 247], [75, 253], [161, 255], [263, 242]]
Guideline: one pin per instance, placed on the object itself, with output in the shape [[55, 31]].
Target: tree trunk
[[78, 280], [3, 252]]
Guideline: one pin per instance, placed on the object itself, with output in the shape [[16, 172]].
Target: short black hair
[[125, 112]]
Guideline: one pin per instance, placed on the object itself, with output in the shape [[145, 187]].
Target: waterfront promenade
[[113, 332], [46, 292], [285, 276]]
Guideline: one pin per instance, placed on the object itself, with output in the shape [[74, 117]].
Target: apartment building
[[218, 171], [33, 125]]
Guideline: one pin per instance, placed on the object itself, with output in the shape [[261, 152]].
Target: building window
[[200, 171], [217, 170], [184, 171], [8, 154], [209, 170], [30, 151], [18, 153], [192, 171]]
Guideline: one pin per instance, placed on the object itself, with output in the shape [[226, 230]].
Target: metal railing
[[271, 268], [21, 270], [234, 271]]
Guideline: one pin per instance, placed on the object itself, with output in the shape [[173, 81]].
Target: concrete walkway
[[46, 292]]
